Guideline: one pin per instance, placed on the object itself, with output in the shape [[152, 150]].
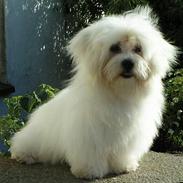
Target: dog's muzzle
[[127, 68]]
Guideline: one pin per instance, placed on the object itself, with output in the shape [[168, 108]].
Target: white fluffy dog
[[108, 116]]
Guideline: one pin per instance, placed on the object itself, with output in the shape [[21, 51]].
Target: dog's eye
[[115, 48], [137, 49]]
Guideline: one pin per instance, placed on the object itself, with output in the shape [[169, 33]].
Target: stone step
[[154, 168]]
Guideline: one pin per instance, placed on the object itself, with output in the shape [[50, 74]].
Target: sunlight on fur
[[107, 117]]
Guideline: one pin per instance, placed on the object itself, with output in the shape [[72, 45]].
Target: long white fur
[[102, 123]]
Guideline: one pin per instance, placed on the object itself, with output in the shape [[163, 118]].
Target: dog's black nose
[[127, 65]]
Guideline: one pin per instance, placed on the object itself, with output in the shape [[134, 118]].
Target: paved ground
[[154, 168]]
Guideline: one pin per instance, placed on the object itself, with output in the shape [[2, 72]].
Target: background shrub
[[77, 15], [19, 107], [171, 134]]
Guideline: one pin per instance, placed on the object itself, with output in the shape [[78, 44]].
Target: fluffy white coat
[[102, 122]]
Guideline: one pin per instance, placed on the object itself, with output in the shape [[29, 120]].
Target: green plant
[[19, 107], [170, 15], [171, 133]]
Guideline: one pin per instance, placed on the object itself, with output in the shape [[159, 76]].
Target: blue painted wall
[[35, 52], [31, 58], [35, 41]]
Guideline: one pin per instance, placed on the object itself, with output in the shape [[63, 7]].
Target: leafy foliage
[[170, 15], [77, 14], [171, 134], [18, 109]]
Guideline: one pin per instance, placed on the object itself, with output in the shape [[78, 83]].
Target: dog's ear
[[165, 52], [78, 45], [165, 57]]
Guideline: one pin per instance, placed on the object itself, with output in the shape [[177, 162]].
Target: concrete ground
[[154, 168]]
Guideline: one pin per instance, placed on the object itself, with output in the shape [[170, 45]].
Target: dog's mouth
[[126, 75]]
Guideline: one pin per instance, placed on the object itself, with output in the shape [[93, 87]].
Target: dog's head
[[119, 48]]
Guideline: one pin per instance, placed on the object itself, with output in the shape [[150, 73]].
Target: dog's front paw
[[81, 173], [125, 168], [124, 165], [132, 166], [86, 173]]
